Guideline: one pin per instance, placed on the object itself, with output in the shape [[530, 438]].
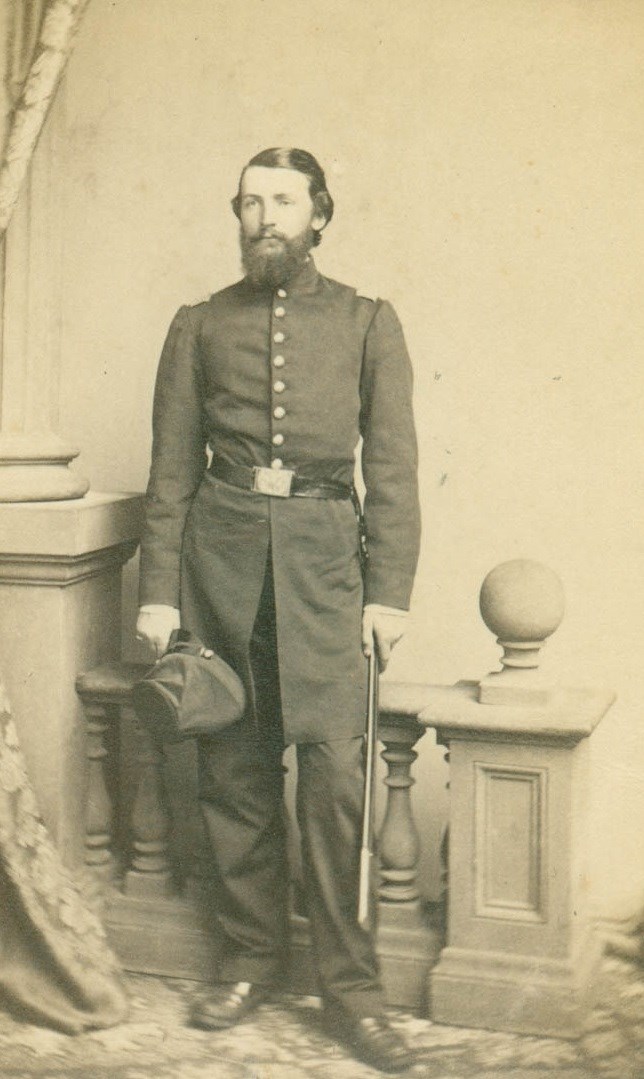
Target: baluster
[[149, 875], [399, 843], [98, 827], [444, 847]]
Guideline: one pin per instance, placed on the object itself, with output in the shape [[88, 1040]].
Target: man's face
[[277, 221], [276, 204]]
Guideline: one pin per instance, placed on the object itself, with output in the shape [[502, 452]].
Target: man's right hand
[[154, 625]]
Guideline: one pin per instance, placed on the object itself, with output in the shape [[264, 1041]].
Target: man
[[279, 376]]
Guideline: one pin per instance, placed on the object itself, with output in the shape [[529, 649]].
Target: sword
[[366, 851]]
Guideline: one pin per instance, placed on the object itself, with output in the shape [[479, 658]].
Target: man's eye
[[249, 203], [285, 202]]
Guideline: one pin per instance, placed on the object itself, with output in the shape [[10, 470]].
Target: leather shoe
[[373, 1040], [227, 1004]]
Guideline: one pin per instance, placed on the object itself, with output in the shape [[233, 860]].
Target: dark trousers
[[241, 788]]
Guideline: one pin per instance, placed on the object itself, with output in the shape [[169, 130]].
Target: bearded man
[[258, 554]]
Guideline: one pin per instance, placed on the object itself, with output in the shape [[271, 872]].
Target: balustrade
[[520, 951], [147, 903]]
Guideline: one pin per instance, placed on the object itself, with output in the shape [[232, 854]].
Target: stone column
[[34, 458], [520, 951]]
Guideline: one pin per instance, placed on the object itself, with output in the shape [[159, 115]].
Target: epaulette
[[362, 294]]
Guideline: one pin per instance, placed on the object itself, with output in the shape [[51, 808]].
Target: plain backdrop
[[486, 160]]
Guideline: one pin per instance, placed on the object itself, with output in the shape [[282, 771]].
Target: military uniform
[[278, 381]]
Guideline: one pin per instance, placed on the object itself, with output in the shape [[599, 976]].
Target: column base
[[40, 483], [519, 993], [35, 468]]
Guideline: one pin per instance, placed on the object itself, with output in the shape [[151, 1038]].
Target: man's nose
[[266, 217]]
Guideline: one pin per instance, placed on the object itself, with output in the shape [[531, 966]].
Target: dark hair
[[288, 157]]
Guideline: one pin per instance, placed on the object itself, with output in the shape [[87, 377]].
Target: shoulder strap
[[362, 294]]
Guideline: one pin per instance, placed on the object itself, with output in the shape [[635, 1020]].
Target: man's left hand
[[384, 626]]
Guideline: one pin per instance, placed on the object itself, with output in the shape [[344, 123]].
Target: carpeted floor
[[285, 1040]]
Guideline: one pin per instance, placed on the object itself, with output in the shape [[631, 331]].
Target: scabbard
[[367, 845]]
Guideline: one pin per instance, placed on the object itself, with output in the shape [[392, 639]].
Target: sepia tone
[[486, 165]]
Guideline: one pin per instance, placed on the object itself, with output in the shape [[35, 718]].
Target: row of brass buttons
[[279, 385]]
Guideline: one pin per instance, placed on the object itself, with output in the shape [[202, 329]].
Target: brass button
[[281, 292], [278, 440], [279, 412], [276, 463], [278, 337], [280, 312], [279, 386], [278, 361]]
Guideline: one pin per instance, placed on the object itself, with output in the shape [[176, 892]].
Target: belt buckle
[[273, 481]]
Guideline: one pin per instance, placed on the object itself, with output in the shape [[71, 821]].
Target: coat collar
[[305, 280]]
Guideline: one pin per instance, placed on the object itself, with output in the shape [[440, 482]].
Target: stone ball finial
[[522, 600], [522, 603]]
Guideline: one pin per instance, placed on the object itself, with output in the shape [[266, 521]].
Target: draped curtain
[[23, 31], [56, 967], [39, 38]]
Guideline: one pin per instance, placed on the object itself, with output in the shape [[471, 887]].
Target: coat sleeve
[[389, 463], [178, 461]]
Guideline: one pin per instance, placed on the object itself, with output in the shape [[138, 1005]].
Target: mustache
[[268, 234]]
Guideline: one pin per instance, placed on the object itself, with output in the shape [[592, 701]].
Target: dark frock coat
[[320, 366]]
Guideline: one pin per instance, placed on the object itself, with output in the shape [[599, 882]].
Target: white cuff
[[380, 608]]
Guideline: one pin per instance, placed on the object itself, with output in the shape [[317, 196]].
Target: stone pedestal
[[60, 614], [520, 952]]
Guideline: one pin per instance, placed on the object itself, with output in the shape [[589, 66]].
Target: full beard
[[269, 268]]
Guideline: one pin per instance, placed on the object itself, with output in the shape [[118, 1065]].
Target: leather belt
[[278, 482]]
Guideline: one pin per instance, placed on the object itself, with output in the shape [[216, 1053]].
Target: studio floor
[[285, 1040]]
